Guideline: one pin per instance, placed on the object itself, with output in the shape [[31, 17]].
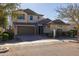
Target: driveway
[[40, 46], [31, 37], [45, 49]]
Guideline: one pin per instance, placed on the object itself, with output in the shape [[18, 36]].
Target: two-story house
[[28, 22]]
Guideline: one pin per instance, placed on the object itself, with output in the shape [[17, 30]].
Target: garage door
[[26, 30]]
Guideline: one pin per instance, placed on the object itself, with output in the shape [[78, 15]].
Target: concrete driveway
[[40, 46], [24, 39], [31, 37]]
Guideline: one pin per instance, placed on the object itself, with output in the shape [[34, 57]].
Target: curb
[[40, 42]]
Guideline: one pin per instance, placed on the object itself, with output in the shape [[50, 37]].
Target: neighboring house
[[59, 24]]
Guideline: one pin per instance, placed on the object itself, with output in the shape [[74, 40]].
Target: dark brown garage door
[[26, 30]]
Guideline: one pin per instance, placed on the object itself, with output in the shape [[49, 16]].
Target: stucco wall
[[35, 18], [21, 12], [47, 30], [27, 18], [50, 28], [63, 27]]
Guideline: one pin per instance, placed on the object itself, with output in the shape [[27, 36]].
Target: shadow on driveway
[[30, 38]]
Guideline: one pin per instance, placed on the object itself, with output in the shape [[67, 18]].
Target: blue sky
[[47, 9]]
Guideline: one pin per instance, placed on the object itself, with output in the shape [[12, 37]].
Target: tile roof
[[30, 12], [58, 21], [44, 21]]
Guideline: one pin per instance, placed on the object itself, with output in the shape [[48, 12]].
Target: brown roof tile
[[44, 21], [58, 21], [30, 12]]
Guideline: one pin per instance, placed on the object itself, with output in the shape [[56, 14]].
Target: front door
[[58, 32], [40, 30]]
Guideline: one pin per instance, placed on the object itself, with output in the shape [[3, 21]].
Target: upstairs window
[[31, 17], [22, 16]]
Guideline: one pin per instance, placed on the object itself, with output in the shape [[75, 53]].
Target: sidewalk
[[40, 42]]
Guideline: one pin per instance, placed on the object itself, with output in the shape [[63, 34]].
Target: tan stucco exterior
[[63, 27], [35, 18], [27, 18], [21, 12], [51, 27]]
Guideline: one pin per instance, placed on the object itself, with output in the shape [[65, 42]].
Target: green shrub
[[11, 35], [50, 34], [72, 33], [5, 36]]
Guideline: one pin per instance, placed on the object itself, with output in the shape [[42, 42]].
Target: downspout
[[54, 33]]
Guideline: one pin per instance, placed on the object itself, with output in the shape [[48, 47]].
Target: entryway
[[59, 32], [40, 30]]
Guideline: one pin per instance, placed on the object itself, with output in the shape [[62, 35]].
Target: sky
[[47, 9]]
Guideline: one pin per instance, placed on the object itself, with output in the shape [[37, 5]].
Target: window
[[22, 16], [31, 17]]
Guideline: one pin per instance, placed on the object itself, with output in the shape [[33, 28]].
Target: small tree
[[6, 9], [71, 12]]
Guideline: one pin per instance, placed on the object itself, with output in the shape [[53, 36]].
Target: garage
[[25, 30]]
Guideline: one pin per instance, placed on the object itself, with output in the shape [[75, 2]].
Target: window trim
[[21, 17], [31, 17]]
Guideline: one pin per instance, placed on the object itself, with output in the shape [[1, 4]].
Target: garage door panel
[[26, 30]]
